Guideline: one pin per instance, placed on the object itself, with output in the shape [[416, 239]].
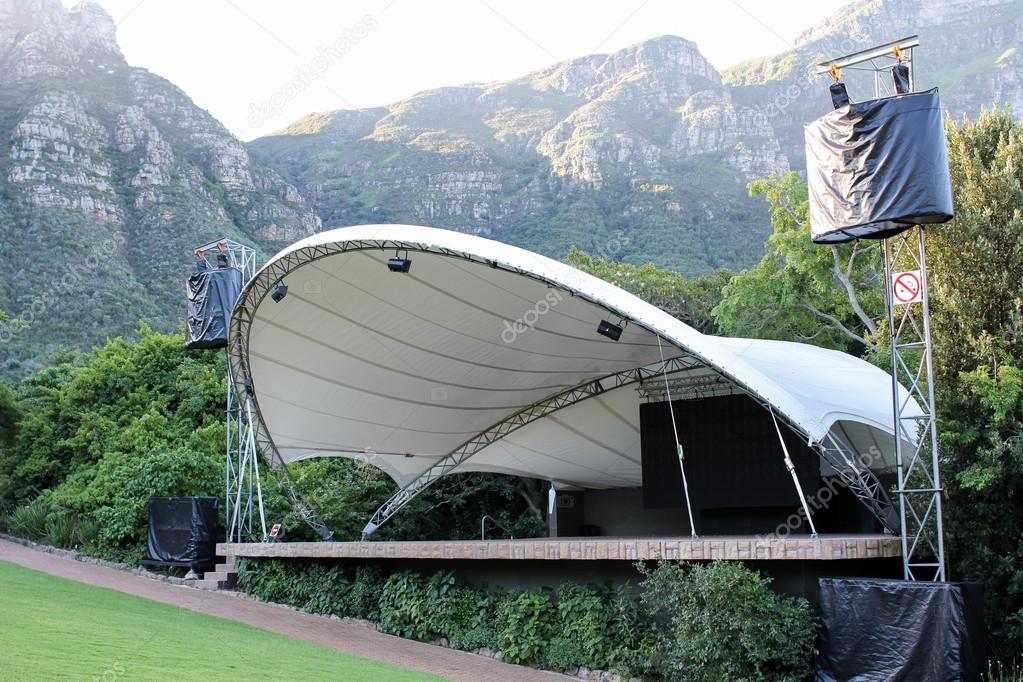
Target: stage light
[[610, 330], [279, 293], [900, 76], [397, 264], [839, 95], [221, 260]]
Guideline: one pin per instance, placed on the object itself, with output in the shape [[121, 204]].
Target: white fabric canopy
[[401, 369]]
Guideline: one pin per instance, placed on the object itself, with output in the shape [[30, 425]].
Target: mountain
[[112, 176], [640, 155], [968, 48]]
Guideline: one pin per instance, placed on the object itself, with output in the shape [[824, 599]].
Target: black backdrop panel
[[732, 455], [182, 531], [873, 629]]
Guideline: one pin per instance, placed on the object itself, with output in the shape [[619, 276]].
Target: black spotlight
[[610, 330], [279, 293], [221, 260], [399, 264]]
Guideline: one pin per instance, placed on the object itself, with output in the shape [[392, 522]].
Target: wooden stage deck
[[752, 548]]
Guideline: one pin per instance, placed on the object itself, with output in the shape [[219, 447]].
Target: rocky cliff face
[[111, 174], [645, 141], [649, 144], [103, 156], [969, 48]]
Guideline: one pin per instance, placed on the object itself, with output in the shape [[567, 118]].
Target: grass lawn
[[52, 628]]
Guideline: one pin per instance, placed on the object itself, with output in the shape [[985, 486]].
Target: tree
[[690, 300], [801, 291], [829, 296], [9, 415], [977, 294]]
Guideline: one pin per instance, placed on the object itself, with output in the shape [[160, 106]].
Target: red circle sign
[[906, 287]]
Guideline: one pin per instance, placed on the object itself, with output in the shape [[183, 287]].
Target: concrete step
[[224, 576]]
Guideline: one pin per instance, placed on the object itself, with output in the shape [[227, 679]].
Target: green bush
[[29, 520], [721, 621], [70, 531], [473, 623], [363, 597], [527, 623], [314, 586], [418, 608]]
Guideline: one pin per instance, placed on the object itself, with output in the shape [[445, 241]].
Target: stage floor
[[738, 548]]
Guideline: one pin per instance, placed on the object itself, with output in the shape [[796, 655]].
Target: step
[[223, 576]]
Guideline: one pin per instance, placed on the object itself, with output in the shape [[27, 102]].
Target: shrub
[[363, 597], [473, 619], [70, 531], [526, 621], [416, 607], [29, 520], [581, 628], [721, 621]]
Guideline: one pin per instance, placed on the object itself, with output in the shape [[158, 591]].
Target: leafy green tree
[[9, 415], [977, 294], [801, 291], [689, 299]]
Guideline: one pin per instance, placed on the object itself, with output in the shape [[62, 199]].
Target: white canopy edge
[[811, 388]]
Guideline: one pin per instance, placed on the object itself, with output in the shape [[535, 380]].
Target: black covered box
[[182, 531], [212, 294], [878, 167], [876, 629]]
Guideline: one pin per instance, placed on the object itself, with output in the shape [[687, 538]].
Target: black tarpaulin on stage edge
[[875, 629], [182, 531], [878, 167], [212, 294]]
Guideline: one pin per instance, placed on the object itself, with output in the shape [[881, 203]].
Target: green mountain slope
[[640, 154], [112, 175]]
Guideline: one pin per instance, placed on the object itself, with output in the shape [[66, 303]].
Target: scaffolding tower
[[919, 488], [243, 492]]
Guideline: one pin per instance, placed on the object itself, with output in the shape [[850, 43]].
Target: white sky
[[236, 57]]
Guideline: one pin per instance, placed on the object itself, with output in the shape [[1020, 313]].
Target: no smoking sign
[[907, 287]]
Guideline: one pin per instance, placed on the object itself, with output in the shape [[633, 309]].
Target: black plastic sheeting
[[878, 167], [182, 531], [874, 629], [212, 294]]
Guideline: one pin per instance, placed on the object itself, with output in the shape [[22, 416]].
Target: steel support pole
[[795, 479], [916, 435]]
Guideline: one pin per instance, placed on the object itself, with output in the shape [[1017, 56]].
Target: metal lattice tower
[[243, 493], [919, 488]]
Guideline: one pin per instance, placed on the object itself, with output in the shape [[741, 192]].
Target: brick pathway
[[344, 636]]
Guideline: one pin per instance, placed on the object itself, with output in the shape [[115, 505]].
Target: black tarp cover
[[878, 167], [876, 629], [212, 294], [182, 531]]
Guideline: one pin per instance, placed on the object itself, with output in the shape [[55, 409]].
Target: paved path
[[344, 636]]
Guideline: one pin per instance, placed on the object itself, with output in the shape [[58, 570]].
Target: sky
[[258, 65]]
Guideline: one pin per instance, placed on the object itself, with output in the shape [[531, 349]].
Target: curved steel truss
[[530, 414]]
